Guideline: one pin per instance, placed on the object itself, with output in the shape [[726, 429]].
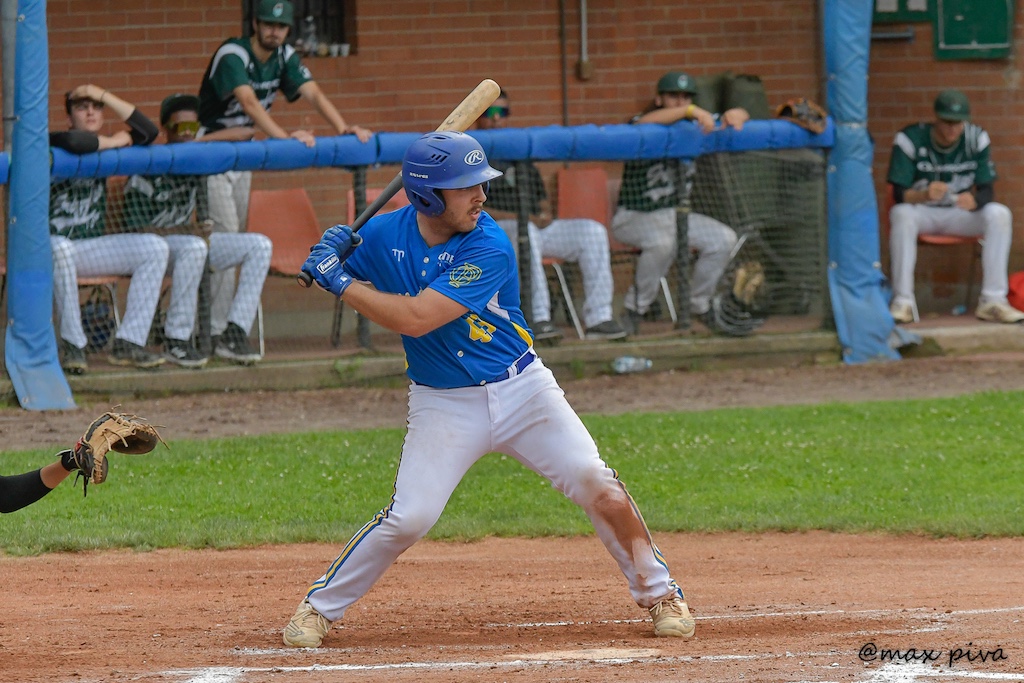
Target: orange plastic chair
[[940, 241], [398, 201], [288, 218]]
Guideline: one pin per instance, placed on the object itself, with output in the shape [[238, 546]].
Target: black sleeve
[[20, 490], [75, 141], [897, 193], [143, 130], [983, 194]]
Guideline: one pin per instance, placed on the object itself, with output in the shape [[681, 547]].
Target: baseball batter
[[445, 278]]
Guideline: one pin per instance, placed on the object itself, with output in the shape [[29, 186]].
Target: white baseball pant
[[578, 240], [654, 233], [527, 418], [139, 256], [188, 257], [229, 210], [993, 222]]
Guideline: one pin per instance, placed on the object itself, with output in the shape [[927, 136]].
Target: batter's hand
[[342, 240], [325, 267]]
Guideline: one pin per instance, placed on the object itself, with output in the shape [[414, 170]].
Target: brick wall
[[413, 60]]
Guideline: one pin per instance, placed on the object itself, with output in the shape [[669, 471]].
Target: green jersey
[[165, 201], [649, 185], [503, 194], [78, 207], [234, 64], [916, 161]]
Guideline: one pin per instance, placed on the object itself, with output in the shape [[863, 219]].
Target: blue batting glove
[[325, 267], [342, 240]]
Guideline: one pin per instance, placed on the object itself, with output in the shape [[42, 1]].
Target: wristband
[[689, 111]]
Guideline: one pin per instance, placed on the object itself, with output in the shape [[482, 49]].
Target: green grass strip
[[949, 467]]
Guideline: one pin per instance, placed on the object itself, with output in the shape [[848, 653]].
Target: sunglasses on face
[[182, 127], [495, 111]]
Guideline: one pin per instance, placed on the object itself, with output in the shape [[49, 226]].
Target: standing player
[[646, 215], [445, 278], [942, 177], [238, 89]]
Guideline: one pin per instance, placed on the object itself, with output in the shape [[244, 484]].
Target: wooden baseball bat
[[461, 118]]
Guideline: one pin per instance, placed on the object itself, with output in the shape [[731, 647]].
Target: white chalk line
[[910, 611], [913, 671], [226, 674], [888, 673]]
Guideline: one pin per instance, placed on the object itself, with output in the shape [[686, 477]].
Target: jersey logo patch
[[464, 274], [480, 329]]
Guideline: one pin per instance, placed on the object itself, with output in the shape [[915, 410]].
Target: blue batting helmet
[[443, 161]]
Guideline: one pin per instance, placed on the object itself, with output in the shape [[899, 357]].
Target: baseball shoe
[[609, 329], [233, 344], [544, 330], [72, 358], [307, 627], [183, 353], [126, 353], [631, 321], [672, 619], [902, 312], [998, 312]]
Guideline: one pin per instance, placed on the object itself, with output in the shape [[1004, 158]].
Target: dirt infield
[[771, 608], [776, 608]]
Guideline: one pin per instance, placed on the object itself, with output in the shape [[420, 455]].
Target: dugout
[[29, 356]]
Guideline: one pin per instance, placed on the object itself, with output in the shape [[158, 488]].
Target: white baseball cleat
[[307, 627], [999, 312], [672, 619]]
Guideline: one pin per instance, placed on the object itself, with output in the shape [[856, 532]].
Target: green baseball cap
[[952, 105], [177, 102], [677, 81], [276, 12]]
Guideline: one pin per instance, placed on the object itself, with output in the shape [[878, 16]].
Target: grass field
[[949, 467]]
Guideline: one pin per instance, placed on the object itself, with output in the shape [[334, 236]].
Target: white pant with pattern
[[654, 233], [578, 240], [141, 257], [249, 250], [993, 223], [527, 418], [229, 209]]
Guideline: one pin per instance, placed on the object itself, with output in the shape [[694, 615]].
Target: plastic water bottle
[[626, 364], [959, 310]]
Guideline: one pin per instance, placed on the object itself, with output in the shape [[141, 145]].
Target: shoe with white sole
[[902, 312], [307, 627], [672, 619], [998, 312]]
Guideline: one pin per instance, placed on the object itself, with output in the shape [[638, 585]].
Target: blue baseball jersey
[[477, 269]]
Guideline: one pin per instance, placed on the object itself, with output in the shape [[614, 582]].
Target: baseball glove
[[109, 432], [804, 113]]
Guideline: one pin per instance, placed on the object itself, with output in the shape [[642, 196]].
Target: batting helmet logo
[[475, 158]]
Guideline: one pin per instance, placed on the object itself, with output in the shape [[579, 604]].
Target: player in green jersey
[[238, 89], [941, 176]]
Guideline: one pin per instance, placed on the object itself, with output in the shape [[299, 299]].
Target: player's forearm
[[412, 316], [260, 116]]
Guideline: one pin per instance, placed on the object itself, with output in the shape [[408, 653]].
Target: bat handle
[[304, 280]]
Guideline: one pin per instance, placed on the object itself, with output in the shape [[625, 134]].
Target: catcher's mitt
[[804, 113], [109, 432]]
